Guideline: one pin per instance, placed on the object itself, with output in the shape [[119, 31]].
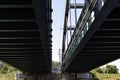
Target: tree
[[107, 69], [111, 69], [99, 70], [94, 76], [5, 68]]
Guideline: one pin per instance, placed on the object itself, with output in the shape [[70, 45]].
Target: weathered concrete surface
[[77, 76], [55, 76]]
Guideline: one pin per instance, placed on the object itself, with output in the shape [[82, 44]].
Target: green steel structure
[[95, 38], [25, 34]]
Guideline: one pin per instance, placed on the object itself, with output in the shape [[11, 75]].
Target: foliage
[[94, 76], [108, 69], [7, 72], [111, 69], [5, 68], [99, 70], [8, 76], [100, 76], [55, 64]]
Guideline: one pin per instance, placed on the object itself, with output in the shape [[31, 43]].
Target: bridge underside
[[101, 43], [25, 34]]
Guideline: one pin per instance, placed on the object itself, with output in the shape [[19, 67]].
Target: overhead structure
[[96, 37], [25, 34]]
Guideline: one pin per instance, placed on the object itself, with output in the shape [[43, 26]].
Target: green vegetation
[[62, 79], [55, 64], [108, 69], [110, 72], [8, 76], [5, 68], [100, 76], [7, 72]]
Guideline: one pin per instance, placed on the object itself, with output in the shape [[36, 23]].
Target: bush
[[94, 76], [111, 69], [99, 70]]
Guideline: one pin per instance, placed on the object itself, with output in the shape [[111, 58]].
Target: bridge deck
[[25, 34], [100, 44]]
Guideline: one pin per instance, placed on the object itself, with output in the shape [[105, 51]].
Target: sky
[[58, 19]]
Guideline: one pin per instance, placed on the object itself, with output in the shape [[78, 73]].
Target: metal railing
[[88, 14]]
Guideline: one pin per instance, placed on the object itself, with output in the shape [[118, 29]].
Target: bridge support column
[[84, 76], [29, 76], [77, 76], [68, 76]]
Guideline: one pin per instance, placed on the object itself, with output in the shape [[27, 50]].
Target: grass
[[106, 76], [11, 76], [8, 76]]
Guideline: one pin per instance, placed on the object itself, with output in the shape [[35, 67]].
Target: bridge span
[[94, 40], [25, 34]]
